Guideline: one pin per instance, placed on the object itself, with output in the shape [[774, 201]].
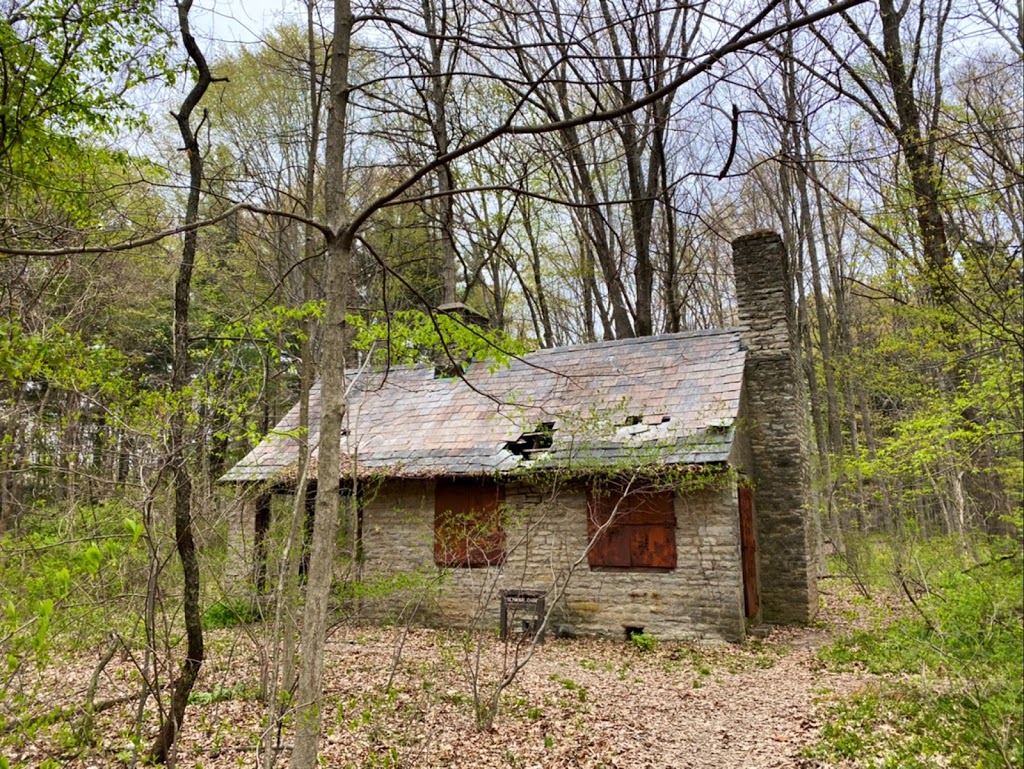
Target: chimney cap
[[764, 234], [464, 313]]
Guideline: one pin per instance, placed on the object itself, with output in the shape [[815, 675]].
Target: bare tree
[[179, 455]]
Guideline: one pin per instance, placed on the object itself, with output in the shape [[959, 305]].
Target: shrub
[[71, 574], [958, 699], [230, 613], [643, 642]]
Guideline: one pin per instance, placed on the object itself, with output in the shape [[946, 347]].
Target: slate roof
[[670, 399]]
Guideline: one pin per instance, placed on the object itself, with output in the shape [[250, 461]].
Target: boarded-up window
[[633, 529], [468, 530]]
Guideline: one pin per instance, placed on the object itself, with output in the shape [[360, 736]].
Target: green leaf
[[93, 557], [63, 579], [43, 626], [135, 528]]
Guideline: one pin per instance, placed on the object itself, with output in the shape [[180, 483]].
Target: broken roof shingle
[[608, 402]]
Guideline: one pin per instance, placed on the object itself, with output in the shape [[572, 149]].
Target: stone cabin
[[658, 484]]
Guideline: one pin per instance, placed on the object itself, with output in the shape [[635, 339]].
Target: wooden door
[[748, 551]]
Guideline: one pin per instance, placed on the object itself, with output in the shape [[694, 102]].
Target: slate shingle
[[405, 423]]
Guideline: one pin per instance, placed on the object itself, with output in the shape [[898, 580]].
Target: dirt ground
[[579, 703]]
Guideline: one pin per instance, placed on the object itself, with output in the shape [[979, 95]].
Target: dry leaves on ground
[[579, 703]]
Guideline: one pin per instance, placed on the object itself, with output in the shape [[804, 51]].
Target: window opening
[[633, 631], [448, 370], [262, 523]]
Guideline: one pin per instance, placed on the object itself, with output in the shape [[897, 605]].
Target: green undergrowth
[[950, 671], [229, 613], [69, 576]]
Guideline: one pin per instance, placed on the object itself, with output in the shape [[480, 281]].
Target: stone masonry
[[702, 599], [241, 556], [787, 527]]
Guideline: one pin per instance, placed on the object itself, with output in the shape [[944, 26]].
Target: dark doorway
[[260, 541]]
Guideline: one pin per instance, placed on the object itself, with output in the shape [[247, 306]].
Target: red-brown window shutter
[[467, 523], [642, 532]]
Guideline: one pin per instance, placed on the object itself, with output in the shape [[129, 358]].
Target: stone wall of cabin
[[241, 551], [701, 599]]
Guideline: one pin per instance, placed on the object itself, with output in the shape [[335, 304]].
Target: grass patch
[[952, 671], [643, 642]]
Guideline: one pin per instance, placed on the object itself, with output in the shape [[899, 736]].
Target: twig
[[913, 602]]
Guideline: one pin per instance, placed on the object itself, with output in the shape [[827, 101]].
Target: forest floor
[[579, 703]]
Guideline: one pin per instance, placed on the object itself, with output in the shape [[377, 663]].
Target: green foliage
[[72, 577], [385, 585], [642, 642], [412, 336], [69, 67], [58, 358], [943, 382], [237, 361], [579, 691], [227, 613], [217, 694], [68, 70], [60, 378], [953, 669]]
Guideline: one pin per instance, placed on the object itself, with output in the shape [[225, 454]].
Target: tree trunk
[[338, 268], [594, 228], [181, 371], [918, 152], [543, 311], [835, 431], [285, 632], [444, 206]]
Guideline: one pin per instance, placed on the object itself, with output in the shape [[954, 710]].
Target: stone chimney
[[788, 530]]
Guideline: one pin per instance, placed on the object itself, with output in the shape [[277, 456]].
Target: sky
[[219, 26], [226, 22]]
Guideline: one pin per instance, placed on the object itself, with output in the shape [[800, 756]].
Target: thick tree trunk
[[918, 151]]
